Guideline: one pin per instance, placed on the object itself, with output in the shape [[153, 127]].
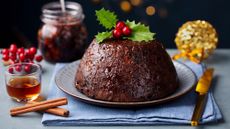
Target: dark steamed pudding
[[126, 71]]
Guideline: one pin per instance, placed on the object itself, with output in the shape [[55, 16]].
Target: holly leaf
[[140, 32], [102, 36], [106, 18]]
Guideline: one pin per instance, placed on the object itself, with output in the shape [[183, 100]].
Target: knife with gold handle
[[202, 88]]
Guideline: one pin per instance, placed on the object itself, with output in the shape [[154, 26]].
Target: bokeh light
[[163, 12], [150, 10], [136, 2], [125, 6]]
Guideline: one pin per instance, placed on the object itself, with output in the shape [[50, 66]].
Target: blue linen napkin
[[176, 112]]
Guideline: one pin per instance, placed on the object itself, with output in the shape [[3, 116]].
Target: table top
[[220, 60]]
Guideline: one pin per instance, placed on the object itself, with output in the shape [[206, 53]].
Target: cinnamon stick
[[38, 106], [55, 111]]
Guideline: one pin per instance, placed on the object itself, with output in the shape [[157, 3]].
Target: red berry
[[27, 68], [22, 57], [126, 31], [13, 45], [27, 54], [21, 50], [31, 57], [38, 58], [117, 33], [5, 51], [18, 68], [13, 48], [120, 25], [32, 51], [5, 57], [11, 70], [12, 62], [13, 57], [16, 61]]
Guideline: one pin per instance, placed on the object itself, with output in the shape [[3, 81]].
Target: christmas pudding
[[128, 67]]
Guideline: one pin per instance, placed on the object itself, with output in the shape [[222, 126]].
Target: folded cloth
[[176, 112]]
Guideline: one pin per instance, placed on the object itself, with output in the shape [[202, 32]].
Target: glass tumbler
[[23, 81]]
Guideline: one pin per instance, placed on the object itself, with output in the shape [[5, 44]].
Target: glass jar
[[63, 35]]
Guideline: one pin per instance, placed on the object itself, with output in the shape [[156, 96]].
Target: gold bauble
[[197, 35]]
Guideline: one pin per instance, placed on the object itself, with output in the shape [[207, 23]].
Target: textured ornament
[[196, 40]]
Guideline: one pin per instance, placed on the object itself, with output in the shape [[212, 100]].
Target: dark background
[[20, 19]]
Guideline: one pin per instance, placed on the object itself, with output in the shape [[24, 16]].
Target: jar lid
[[53, 14]]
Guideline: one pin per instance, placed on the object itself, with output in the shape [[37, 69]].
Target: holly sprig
[[140, 32], [108, 19], [100, 37]]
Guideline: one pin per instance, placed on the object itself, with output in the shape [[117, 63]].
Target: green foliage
[[106, 18], [140, 32]]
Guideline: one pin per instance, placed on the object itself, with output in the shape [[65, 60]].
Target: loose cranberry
[[12, 62], [117, 33], [13, 45], [18, 68], [126, 31], [16, 61], [11, 70], [27, 53], [22, 57], [5, 51], [21, 50], [5, 57], [120, 25], [38, 58], [27, 68], [13, 48], [13, 56], [32, 50], [31, 57]]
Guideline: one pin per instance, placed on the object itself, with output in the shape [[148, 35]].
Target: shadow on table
[[214, 86], [217, 58]]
